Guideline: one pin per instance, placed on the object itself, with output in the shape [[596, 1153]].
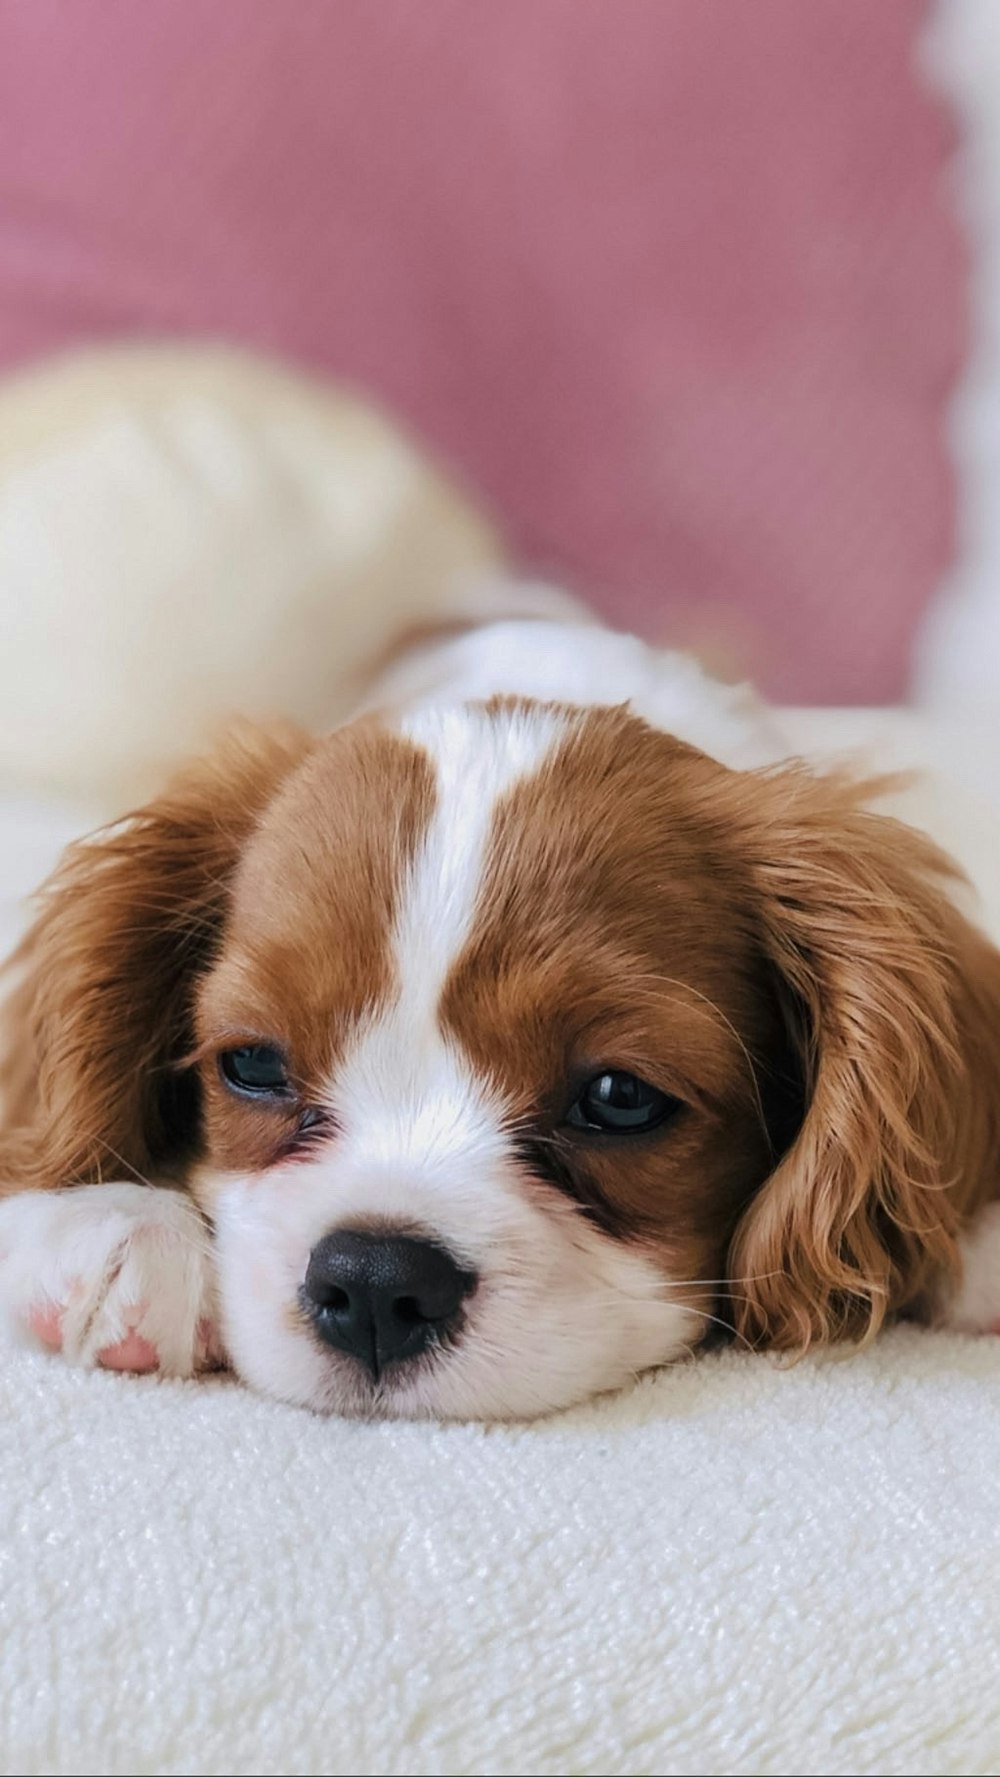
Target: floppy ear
[[893, 1002], [102, 1011]]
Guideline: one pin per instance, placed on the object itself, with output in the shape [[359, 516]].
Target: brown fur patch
[[307, 948], [894, 999], [127, 921]]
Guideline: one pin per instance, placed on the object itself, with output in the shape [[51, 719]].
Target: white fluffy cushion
[[190, 533]]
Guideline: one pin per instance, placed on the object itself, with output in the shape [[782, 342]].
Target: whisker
[[134, 1171], [724, 1324], [722, 1282]]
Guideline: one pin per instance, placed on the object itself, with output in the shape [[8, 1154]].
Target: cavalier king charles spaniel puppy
[[498, 1046]]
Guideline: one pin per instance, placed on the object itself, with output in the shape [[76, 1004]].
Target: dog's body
[[499, 1046]]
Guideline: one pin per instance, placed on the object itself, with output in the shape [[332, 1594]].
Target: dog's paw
[[975, 1306], [119, 1275]]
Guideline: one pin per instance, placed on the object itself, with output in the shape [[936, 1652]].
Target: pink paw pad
[[45, 1321], [131, 1353]]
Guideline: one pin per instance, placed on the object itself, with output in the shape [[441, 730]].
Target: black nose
[[383, 1300]]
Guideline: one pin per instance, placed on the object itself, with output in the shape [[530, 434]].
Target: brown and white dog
[[496, 1047]]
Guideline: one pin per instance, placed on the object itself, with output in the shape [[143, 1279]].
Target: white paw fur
[[975, 1307], [114, 1259]]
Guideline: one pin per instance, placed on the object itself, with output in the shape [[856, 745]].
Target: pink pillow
[[672, 283]]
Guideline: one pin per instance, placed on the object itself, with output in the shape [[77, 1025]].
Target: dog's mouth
[[403, 1388]]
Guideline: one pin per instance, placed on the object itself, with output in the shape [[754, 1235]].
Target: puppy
[[500, 1045]]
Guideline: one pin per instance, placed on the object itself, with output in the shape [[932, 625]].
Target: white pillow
[[191, 533]]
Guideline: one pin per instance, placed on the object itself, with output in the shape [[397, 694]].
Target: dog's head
[[513, 1049]]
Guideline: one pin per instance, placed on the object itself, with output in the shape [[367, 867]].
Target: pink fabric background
[[671, 283]]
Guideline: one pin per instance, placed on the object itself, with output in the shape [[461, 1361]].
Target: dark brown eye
[[617, 1103], [258, 1070]]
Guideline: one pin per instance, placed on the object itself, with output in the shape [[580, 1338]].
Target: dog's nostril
[[327, 1295], [383, 1299], [408, 1308]]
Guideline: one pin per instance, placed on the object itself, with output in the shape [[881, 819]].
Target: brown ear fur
[[894, 1002], [128, 919]]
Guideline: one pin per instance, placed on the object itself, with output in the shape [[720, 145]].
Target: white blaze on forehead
[[477, 758], [403, 1093]]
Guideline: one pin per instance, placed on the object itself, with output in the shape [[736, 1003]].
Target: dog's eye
[[620, 1104], [258, 1069]]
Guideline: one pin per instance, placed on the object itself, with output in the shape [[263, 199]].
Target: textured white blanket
[[733, 1568], [736, 1567]]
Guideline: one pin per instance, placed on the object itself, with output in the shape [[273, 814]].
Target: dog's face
[[509, 1048], [487, 1055]]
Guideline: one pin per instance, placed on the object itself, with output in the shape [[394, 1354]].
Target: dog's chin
[[435, 1386]]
